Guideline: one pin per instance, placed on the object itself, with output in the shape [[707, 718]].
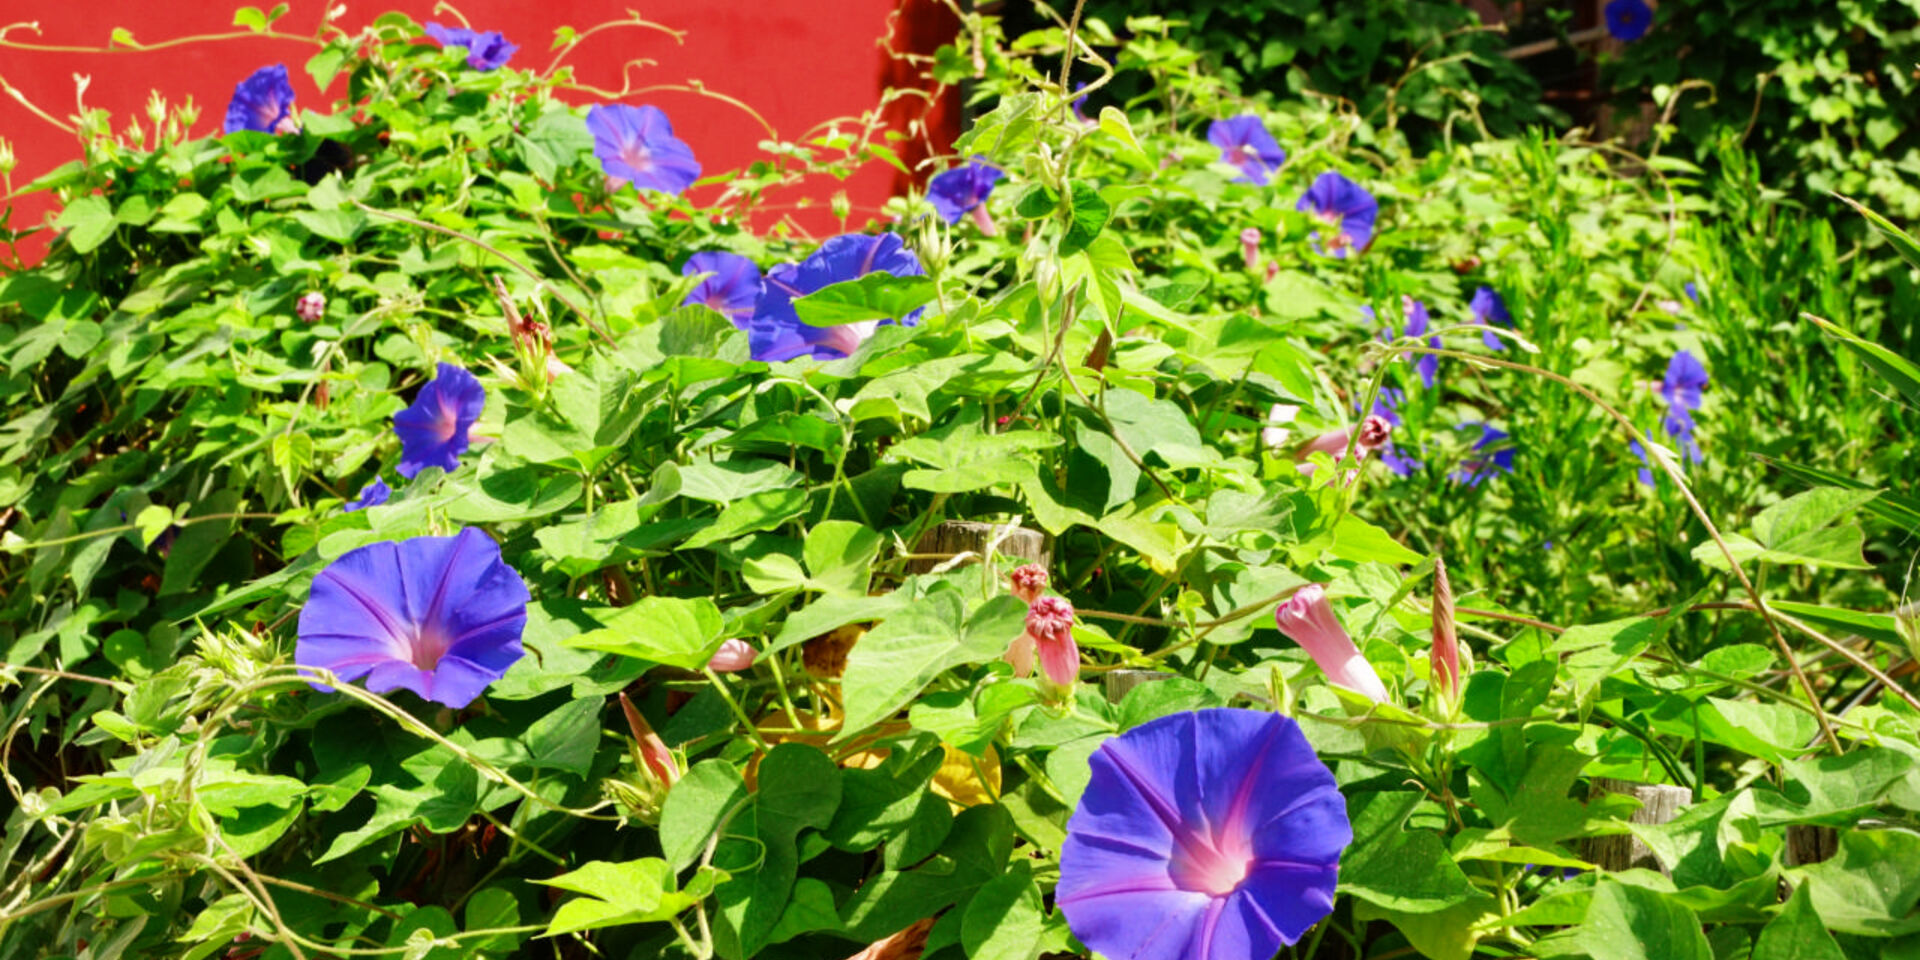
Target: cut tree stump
[[1116, 683], [957, 538], [1659, 803]]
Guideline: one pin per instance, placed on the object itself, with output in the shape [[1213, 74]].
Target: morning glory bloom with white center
[[440, 616], [1210, 835]]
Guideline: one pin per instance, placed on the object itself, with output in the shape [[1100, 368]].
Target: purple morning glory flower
[[1245, 143], [433, 431], [964, 190], [1418, 322], [1646, 466], [1693, 292], [1490, 455], [371, 495], [1344, 206], [263, 102], [1489, 310], [1628, 20], [486, 50], [1213, 835], [441, 616], [732, 287], [1681, 387], [637, 145], [776, 332], [1080, 103]]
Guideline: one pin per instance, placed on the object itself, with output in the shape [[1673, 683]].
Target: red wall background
[[799, 63]]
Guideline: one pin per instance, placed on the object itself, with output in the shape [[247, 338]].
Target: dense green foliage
[[178, 445]]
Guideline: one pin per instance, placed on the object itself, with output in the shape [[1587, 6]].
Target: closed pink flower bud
[[1446, 639], [1308, 619], [1029, 582], [311, 306], [1050, 628], [733, 655], [1250, 247], [1274, 435], [652, 750], [1374, 433], [1273, 270], [984, 220]]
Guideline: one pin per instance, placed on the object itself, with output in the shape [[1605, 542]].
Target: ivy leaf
[[697, 806], [875, 296], [1005, 918], [1797, 933], [88, 221], [674, 631], [638, 891], [897, 659], [1633, 923]]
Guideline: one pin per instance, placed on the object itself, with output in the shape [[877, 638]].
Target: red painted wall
[[799, 63]]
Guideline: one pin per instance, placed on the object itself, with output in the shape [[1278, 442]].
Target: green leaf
[[1114, 123], [1404, 870], [566, 738], [1592, 652], [724, 481], [1806, 512], [638, 891], [761, 511], [1633, 923], [898, 658], [1090, 212], [250, 17], [974, 853], [152, 522], [340, 226], [696, 807], [1005, 918], [1797, 933], [876, 296], [1835, 791], [1897, 371], [799, 789], [674, 631], [840, 555], [1871, 886], [1878, 627], [88, 221], [1903, 242], [1359, 541]]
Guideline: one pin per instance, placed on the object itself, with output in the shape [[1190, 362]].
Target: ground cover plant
[[429, 533]]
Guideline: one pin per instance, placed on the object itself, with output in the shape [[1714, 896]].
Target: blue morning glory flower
[[1681, 387], [371, 495], [433, 431], [1245, 143], [1489, 310], [486, 50], [1212, 835], [1418, 322], [637, 145], [1628, 20], [441, 616], [776, 332], [1346, 207], [1490, 455], [732, 287], [1646, 466], [263, 102], [1693, 292], [1080, 103], [962, 190]]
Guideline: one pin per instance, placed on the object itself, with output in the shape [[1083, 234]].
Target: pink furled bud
[[1375, 431], [1446, 640], [734, 655], [1050, 627], [311, 306], [983, 220], [1308, 619], [651, 750], [1273, 270], [1250, 247], [1029, 582], [1275, 434]]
